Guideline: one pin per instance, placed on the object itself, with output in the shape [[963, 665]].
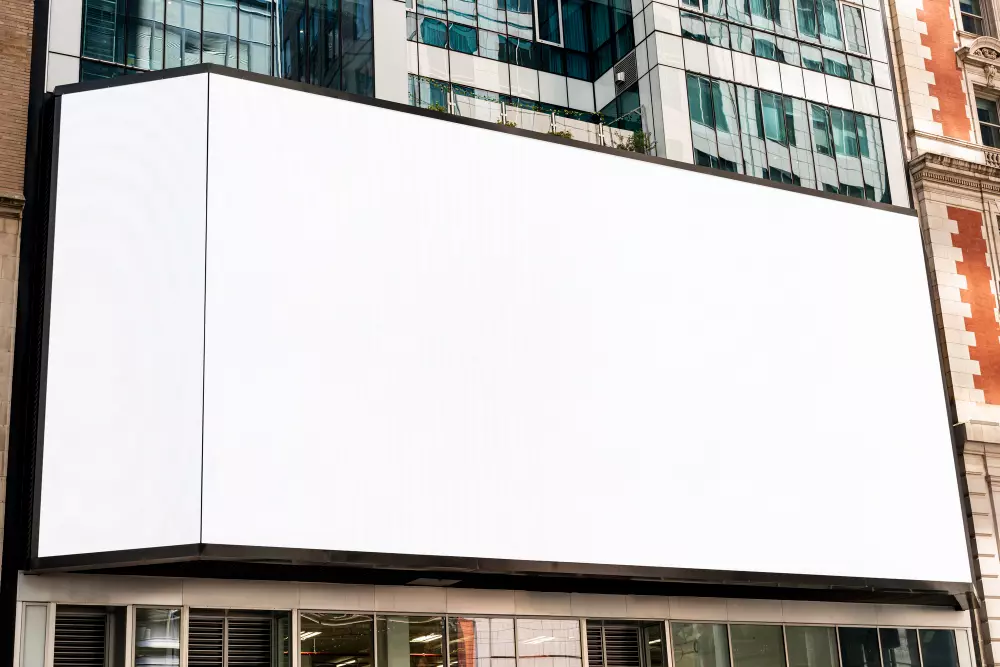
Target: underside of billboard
[[341, 332]]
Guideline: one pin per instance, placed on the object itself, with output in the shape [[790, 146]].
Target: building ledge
[[957, 172]]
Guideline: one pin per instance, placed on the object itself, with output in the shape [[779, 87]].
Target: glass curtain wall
[[786, 139], [324, 42], [594, 35]]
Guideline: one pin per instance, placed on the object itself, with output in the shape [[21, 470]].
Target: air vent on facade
[[630, 69], [205, 641], [613, 644], [81, 639], [248, 642]]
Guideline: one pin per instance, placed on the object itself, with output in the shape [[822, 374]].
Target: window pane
[[854, 29], [416, 641], [784, 17], [835, 63], [700, 100], [826, 165], [811, 647], [481, 642], [806, 14], [492, 15], [548, 21], [788, 51], [859, 647], [520, 21], [760, 13], [875, 176], [737, 10], [549, 643], [899, 648], [742, 38], [433, 32], [716, 7], [757, 646], [938, 648], [987, 111], [751, 132], [144, 34], [800, 154], [861, 69], [829, 23], [699, 645], [335, 639], [157, 637], [462, 38], [693, 27], [727, 126], [718, 33], [652, 641], [104, 30], [764, 45], [812, 58], [991, 135], [706, 149]]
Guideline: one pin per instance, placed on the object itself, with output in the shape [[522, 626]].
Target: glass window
[[788, 51], [938, 648], [757, 645], [336, 639], [861, 69], [760, 14], [738, 10], [144, 34], [411, 27], [972, 17], [718, 33], [764, 45], [859, 646], [835, 63], [716, 7], [829, 23], [433, 32], [157, 637], [545, 642], [410, 641], [812, 58], [854, 29], [549, 59], [182, 43], [700, 100], [481, 642], [462, 11], [800, 155], [104, 30], [811, 646], [652, 641], [806, 13], [491, 15], [751, 132], [462, 38], [489, 45], [700, 644], [899, 648], [989, 122], [773, 117], [826, 165], [548, 21], [693, 27], [876, 189], [742, 38], [727, 127], [520, 20], [91, 71], [784, 17]]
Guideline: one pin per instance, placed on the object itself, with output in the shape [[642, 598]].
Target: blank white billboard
[[424, 337]]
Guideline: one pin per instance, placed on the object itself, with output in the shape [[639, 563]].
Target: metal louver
[[630, 68], [613, 644], [249, 642], [205, 641], [80, 639]]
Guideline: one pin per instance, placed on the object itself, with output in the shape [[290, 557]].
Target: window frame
[[864, 29], [979, 94], [538, 36]]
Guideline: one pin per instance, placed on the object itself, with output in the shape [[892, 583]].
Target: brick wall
[[15, 57]]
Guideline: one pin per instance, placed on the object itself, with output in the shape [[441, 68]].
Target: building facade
[[480, 333]]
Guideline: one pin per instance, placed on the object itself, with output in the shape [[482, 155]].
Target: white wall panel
[[123, 409], [505, 365]]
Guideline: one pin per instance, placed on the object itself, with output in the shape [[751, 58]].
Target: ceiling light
[[655, 641], [541, 639], [425, 638], [347, 662], [307, 635]]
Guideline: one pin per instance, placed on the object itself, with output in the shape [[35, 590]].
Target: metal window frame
[[538, 37]]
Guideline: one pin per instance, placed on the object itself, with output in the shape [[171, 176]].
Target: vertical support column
[[389, 19]]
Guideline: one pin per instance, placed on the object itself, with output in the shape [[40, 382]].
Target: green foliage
[[639, 142], [437, 107], [565, 134], [506, 123]]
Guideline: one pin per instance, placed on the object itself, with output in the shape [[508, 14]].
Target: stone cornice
[[955, 172], [11, 205]]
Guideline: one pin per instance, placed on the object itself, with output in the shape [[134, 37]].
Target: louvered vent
[[81, 639], [611, 644], [205, 641], [630, 68], [249, 642], [595, 644]]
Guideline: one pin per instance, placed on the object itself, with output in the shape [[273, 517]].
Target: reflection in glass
[[462, 38], [811, 646], [764, 45], [806, 13], [742, 39], [989, 122], [699, 645], [835, 63], [543, 642], [854, 29], [693, 27], [751, 133], [548, 21], [104, 30], [727, 126], [157, 637], [938, 649], [812, 58], [410, 641], [432, 31], [462, 11], [874, 172], [899, 647], [826, 165], [700, 107], [859, 647], [800, 154], [480, 642], [757, 645], [652, 642], [861, 70], [718, 33], [788, 51], [335, 640], [144, 34], [829, 23], [182, 44]]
